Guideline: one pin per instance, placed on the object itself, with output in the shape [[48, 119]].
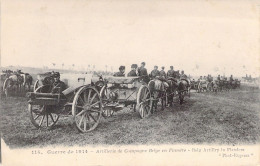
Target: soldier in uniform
[[184, 76], [132, 73], [231, 78], [58, 85], [155, 72], [121, 72], [162, 73], [177, 74], [218, 78], [142, 70], [170, 72]]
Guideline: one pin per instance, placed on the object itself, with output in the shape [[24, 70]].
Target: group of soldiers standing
[[142, 71]]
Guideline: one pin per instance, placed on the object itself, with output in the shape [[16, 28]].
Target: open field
[[205, 118]]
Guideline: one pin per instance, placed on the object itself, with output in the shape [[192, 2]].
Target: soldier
[[155, 72], [121, 72], [218, 78], [184, 76], [170, 72], [132, 73], [162, 73], [177, 73], [231, 78], [58, 85], [200, 79], [142, 70]]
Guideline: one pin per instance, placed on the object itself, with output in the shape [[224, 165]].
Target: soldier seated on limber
[[132, 73], [121, 72], [155, 72], [184, 77], [58, 85]]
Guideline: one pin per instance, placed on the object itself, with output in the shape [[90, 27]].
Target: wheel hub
[[87, 107]]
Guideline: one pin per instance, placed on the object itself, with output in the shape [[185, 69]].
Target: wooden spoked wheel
[[87, 109], [42, 116], [144, 101], [104, 95]]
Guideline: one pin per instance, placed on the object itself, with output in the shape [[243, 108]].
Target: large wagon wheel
[[87, 109], [103, 94], [42, 116], [144, 101]]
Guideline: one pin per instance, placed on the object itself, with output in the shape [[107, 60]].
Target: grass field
[[205, 118]]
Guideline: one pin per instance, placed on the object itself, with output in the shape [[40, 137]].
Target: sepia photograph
[[149, 81]]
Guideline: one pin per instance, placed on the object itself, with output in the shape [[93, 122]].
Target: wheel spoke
[[41, 120], [85, 123], [146, 95], [145, 90], [79, 107], [47, 120], [95, 103], [51, 117], [92, 117], [89, 93], [93, 98], [81, 113], [81, 120], [37, 117], [81, 100], [85, 96]]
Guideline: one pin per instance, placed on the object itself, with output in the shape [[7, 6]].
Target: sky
[[197, 36]]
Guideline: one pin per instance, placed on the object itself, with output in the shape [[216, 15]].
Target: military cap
[[121, 67], [134, 66], [143, 63], [171, 66], [56, 74], [156, 66], [162, 67]]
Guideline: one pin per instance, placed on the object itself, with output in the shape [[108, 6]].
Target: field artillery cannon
[[81, 100]]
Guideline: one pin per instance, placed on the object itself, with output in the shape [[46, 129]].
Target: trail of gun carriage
[[54, 107]]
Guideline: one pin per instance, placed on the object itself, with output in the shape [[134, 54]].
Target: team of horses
[[15, 82], [215, 86]]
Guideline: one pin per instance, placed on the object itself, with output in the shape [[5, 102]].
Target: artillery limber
[[120, 92]]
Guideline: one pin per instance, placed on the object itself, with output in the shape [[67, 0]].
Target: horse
[[13, 82], [183, 89], [164, 90], [27, 80], [158, 92]]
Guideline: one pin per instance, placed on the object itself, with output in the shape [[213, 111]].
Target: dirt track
[[223, 118]]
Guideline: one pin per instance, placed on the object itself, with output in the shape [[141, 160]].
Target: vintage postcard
[[130, 82]]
